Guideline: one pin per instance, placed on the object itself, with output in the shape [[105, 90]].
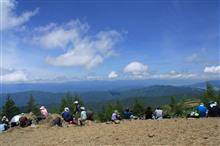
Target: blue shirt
[[127, 115], [67, 116], [201, 109]]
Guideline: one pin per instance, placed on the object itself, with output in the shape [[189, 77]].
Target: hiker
[[24, 121], [127, 114], [4, 123], [56, 121], [213, 109], [148, 113], [44, 114], [83, 116], [67, 115], [115, 117], [15, 120], [158, 113], [78, 110], [202, 110]]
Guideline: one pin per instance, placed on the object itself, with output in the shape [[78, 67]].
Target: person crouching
[[83, 116], [116, 117]]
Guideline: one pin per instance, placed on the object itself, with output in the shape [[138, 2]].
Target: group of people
[[129, 115], [78, 118], [210, 110], [81, 115]]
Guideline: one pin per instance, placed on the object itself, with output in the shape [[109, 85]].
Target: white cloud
[[112, 75], [53, 36], [85, 50], [173, 75], [13, 76], [9, 18], [212, 69], [136, 68]]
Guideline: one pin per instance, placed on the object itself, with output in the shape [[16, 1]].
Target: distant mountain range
[[79, 86], [149, 95]]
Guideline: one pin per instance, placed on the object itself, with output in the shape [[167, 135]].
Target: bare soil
[[138, 132]]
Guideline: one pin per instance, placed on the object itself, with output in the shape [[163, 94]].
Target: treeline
[[176, 108]]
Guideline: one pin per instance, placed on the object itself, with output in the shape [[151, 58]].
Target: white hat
[[76, 102], [66, 109], [116, 111], [82, 108], [42, 107]]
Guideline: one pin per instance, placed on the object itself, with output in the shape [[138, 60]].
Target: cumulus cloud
[[112, 75], [212, 69], [13, 76], [53, 36], [80, 49], [9, 17], [136, 68]]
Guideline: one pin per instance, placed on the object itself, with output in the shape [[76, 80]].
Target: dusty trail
[[141, 132]]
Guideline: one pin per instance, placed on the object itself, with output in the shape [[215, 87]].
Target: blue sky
[[44, 41]]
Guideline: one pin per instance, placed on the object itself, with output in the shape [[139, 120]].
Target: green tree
[[209, 94], [68, 101], [138, 108], [10, 109], [176, 108], [32, 106]]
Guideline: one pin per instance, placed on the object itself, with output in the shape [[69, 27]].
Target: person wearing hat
[[44, 114], [67, 115], [5, 121], [78, 109], [83, 116], [115, 117]]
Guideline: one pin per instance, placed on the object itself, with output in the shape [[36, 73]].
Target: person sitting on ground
[[202, 110], [15, 120], [148, 113], [158, 113], [24, 121], [44, 114], [56, 121], [213, 109], [127, 114], [5, 122], [83, 116], [67, 115], [115, 117]]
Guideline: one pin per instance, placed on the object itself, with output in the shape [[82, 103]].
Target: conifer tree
[[10, 109]]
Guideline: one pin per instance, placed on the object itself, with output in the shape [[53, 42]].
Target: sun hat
[[42, 107], [82, 108], [66, 109], [76, 102]]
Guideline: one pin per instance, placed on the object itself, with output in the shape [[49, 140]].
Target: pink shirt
[[44, 113]]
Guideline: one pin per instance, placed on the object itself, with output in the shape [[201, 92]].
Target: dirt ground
[[140, 132]]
